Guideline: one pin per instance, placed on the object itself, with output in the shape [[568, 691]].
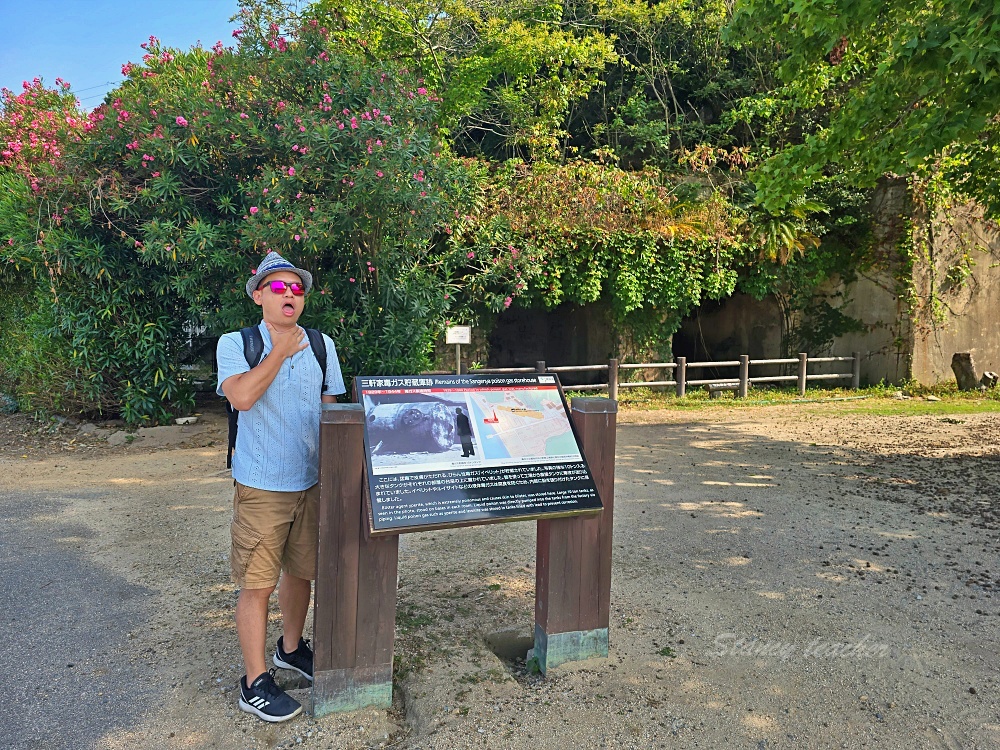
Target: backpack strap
[[253, 345], [318, 346], [253, 350], [233, 418]]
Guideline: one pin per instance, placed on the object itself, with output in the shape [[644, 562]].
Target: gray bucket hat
[[274, 262]]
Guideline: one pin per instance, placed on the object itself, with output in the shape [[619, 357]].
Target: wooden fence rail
[[740, 383]]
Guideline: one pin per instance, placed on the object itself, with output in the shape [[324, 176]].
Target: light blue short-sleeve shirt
[[277, 444]]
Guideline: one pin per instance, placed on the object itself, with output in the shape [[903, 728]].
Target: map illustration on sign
[[459, 449], [514, 424]]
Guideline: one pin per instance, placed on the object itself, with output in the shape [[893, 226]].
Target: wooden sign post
[[573, 565], [355, 612], [354, 619]]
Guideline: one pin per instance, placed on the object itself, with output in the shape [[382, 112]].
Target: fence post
[[354, 618], [803, 369], [573, 567], [613, 379], [682, 376], [856, 371], [744, 375], [540, 366]]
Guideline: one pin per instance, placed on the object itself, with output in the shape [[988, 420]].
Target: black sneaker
[[300, 660], [266, 700]]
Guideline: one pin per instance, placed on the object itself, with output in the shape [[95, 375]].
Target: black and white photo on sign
[[419, 428]]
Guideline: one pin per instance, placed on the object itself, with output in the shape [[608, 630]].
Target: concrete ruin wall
[[957, 280], [885, 343], [723, 331], [953, 302], [566, 335]]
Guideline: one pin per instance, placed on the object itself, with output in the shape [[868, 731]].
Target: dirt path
[[782, 579]]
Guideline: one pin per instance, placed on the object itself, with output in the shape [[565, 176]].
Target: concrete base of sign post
[[337, 690], [554, 650]]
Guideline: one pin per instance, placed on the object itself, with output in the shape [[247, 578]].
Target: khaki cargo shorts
[[271, 532]]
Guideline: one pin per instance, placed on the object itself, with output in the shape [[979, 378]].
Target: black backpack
[[253, 351]]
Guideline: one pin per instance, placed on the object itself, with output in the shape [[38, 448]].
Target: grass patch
[[880, 399], [409, 619]]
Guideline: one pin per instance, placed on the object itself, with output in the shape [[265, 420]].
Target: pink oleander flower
[[182, 122], [291, 171], [507, 301], [156, 174], [254, 209], [243, 115], [471, 254], [297, 238]]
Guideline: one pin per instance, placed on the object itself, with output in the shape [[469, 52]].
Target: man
[[275, 470], [464, 432]]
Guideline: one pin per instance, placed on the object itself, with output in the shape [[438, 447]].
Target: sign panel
[[457, 450], [458, 335]]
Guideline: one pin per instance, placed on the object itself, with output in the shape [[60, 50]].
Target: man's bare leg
[[293, 599], [251, 626]]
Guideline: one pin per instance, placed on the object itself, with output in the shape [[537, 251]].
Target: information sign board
[[458, 450], [458, 335]]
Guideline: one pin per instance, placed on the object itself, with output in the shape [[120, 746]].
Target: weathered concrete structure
[[933, 290], [919, 310], [724, 330]]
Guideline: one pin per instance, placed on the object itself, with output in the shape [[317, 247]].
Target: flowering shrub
[[36, 127], [169, 193]]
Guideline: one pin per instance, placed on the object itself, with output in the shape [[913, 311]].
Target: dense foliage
[[441, 160], [882, 88]]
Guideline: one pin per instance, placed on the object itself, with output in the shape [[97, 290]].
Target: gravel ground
[[784, 577]]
